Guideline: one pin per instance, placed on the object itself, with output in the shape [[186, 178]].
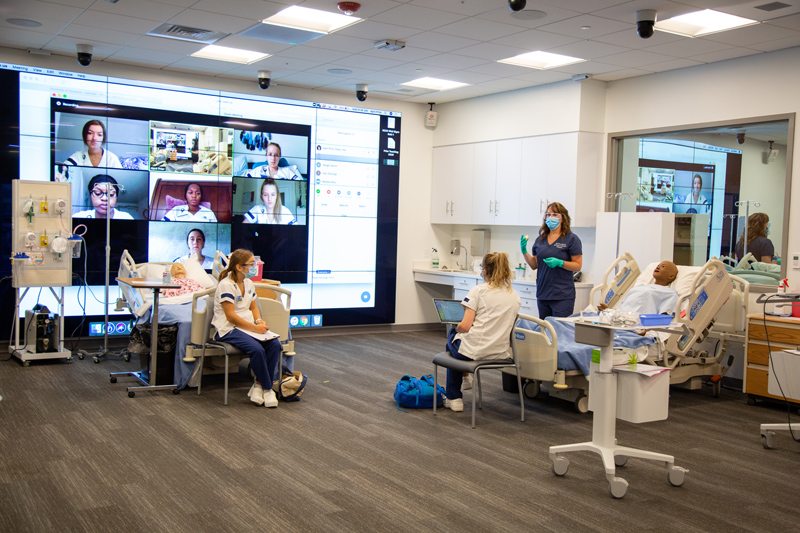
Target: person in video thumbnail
[[192, 211], [196, 240], [103, 192], [271, 168], [94, 137], [270, 211], [695, 197]]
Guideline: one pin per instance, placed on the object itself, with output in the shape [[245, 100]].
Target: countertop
[[468, 274]]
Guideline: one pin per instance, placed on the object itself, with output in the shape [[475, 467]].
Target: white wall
[[753, 86]]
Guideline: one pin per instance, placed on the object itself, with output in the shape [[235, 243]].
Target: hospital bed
[[711, 303], [755, 271]]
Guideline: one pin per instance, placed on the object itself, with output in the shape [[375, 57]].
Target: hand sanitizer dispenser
[[479, 243]]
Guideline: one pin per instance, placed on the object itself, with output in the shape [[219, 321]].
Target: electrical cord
[[11, 331], [772, 369]]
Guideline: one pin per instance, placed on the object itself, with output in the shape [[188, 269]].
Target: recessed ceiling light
[[339, 71], [435, 84], [528, 14], [234, 55], [703, 23], [25, 23], [305, 18], [541, 60], [586, 27]]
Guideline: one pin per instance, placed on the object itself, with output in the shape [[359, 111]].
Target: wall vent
[[187, 33], [772, 6]]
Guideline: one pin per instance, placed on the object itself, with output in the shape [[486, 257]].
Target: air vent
[[772, 6], [186, 33]]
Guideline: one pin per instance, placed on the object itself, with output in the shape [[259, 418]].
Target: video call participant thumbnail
[[270, 210], [94, 154], [193, 210], [103, 193]]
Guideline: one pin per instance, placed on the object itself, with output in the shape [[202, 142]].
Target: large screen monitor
[[311, 188]]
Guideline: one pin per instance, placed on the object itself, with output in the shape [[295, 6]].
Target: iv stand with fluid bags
[[42, 250]]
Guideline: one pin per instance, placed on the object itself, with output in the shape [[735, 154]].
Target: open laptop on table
[[449, 311]]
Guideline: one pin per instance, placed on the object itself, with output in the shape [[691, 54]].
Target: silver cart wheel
[[560, 466], [676, 475], [617, 487], [767, 439], [620, 460]]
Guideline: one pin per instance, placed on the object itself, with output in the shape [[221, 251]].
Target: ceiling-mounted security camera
[[646, 22], [84, 54], [263, 78], [740, 138], [361, 91], [517, 5]]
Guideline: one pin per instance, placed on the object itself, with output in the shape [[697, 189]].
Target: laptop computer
[[449, 311]]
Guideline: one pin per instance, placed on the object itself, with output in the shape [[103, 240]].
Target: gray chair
[[474, 367]]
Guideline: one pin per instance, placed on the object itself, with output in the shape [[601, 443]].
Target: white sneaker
[[456, 405], [270, 400], [467, 383], [256, 394]]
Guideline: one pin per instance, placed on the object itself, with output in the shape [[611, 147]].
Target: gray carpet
[[79, 455]]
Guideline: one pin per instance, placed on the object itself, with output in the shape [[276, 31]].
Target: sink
[[452, 270]]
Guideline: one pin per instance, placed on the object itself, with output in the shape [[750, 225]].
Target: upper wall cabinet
[[513, 181]]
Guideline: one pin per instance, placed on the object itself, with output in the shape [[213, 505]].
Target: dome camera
[[645, 23], [740, 138], [361, 91], [84, 54], [263, 79], [517, 5]]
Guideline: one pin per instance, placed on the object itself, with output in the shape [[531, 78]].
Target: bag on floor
[[291, 387], [417, 393]]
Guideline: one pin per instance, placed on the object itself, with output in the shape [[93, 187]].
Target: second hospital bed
[[712, 302]]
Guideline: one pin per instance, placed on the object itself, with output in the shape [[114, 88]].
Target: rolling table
[[603, 397], [144, 376]]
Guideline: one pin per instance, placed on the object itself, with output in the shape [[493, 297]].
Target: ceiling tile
[[418, 71], [543, 76], [467, 8], [489, 51], [100, 34], [407, 54], [212, 21], [792, 22], [317, 55], [507, 84], [304, 79], [377, 30], [109, 21], [286, 63], [487, 29], [67, 44], [341, 43], [500, 70], [143, 9], [752, 35], [552, 14], [208, 65], [622, 74], [687, 47], [597, 26], [630, 39], [581, 6], [157, 44], [626, 11], [31, 9], [465, 76], [771, 46], [588, 49], [255, 45], [389, 78], [247, 9], [635, 58], [368, 62], [723, 55], [439, 41], [19, 38], [451, 60], [421, 18], [82, 4], [673, 64], [48, 27], [368, 10], [531, 40], [589, 67], [142, 56]]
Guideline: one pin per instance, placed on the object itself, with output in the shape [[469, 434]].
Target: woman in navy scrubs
[[556, 254]]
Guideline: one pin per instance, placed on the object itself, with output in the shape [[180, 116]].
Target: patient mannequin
[[655, 298], [178, 273]]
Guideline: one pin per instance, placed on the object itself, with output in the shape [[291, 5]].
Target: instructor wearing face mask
[[556, 254]]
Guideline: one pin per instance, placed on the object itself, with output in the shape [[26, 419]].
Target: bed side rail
[[536, 352], [611, 292]]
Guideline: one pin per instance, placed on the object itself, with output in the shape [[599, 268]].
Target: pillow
[[174, 202], [682, 283], [194, 270]]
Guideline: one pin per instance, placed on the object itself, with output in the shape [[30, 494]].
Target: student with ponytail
[[490, 314], [236, 312]]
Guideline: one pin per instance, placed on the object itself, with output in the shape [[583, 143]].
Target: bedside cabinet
[[784, 334]]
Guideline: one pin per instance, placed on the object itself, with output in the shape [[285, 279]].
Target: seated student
[[654, 298], [270, 169], [192, 211], [270, 210], [188, 285], [758, 242], [483, 333], [235, 313]]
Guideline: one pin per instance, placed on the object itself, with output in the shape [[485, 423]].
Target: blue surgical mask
[[552, 222], [768, 225], [252, 271]]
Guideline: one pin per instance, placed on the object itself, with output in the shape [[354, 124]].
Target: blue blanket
[[576, 356]]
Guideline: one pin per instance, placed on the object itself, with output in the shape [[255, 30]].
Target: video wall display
[[310, 188]]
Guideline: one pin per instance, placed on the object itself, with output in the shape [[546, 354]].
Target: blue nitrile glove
[[553, 262], [523, 244]]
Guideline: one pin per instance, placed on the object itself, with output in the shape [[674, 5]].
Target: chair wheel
[[560, 466], [620, 460], [131, 394], [113, 379], [127, 358], [176, 391], [676, 475], [617, 487]]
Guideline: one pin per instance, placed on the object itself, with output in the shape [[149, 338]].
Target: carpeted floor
[[79, 455]]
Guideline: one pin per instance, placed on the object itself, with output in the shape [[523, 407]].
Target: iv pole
[[746, 204], [618, 196], [104, 351], [731, 248]]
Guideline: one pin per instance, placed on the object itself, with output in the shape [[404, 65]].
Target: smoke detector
[[348, 8]]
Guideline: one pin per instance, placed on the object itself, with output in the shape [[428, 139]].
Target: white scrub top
[[496, 311], [91, 213], [181, 213], [228, 291], [258, 215], [81, 158]]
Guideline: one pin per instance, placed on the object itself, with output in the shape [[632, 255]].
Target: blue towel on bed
[[576, 356]]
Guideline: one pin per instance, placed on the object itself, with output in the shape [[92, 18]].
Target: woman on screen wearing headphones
[[559, 253], [236, 315]]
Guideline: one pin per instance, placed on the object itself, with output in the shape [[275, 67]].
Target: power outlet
[[796, 261]]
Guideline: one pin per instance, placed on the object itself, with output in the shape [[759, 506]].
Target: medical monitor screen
[[310, 188]]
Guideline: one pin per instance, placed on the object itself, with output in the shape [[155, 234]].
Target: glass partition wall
[[712, 177]]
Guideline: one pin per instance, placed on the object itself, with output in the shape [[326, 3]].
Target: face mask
[[252, 271], [552, 223], [768, 225]]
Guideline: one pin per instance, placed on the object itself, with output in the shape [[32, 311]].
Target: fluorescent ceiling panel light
[[703, 23], [305, 18], [234, 55], [434, 84], [541, 60]]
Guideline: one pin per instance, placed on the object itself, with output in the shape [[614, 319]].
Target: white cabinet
[[511, 182], [451, 192]]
